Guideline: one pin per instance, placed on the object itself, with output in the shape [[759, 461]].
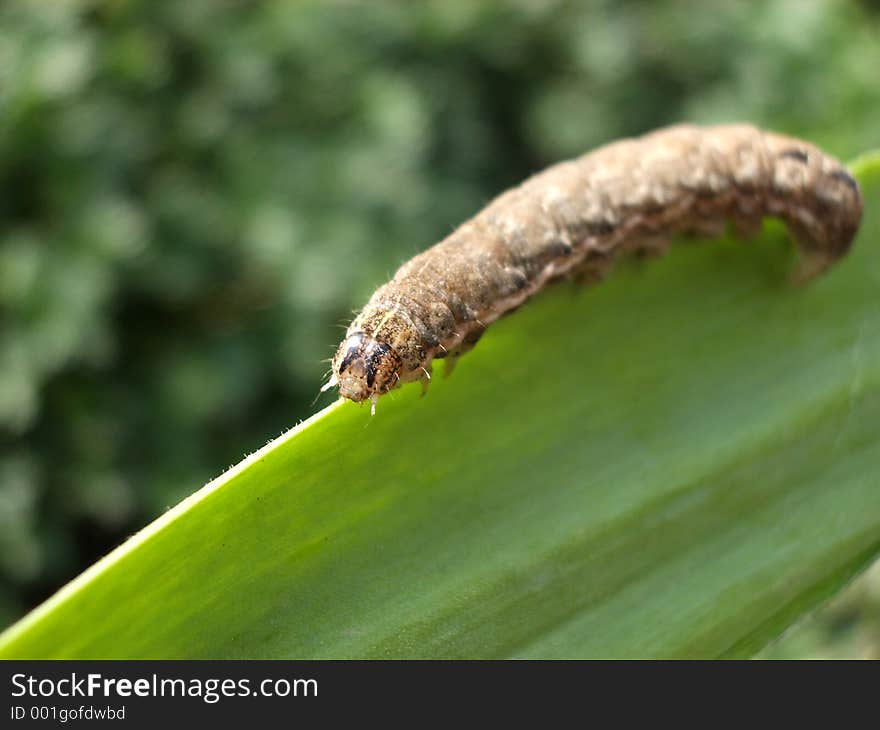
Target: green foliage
[[615, 474], [193, 194]]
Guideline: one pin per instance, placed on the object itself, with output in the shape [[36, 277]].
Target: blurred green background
[[195, 195]]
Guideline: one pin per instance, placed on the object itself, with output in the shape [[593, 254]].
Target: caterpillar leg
[[651, 245], [746, 227], [466, 345], [593, 269], [449, 364], [426, 379]]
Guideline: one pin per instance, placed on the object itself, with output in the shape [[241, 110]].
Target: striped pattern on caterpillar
[[574, 219]]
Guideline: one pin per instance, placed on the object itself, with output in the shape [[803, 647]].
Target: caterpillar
[[574, 219]]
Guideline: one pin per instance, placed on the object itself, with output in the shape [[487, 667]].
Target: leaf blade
[[703, 474]]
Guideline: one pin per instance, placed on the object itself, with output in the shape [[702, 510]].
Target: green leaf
[[679, 462]]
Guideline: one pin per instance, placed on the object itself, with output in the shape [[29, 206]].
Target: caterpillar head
[[365, 368]]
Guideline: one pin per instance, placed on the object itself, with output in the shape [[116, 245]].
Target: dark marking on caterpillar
[[846, 179], [574, 219], [603, 228], [798, 155]]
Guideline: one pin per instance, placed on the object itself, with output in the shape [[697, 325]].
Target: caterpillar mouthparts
[[574, 219]]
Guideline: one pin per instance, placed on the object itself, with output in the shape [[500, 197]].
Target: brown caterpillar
[[574, 219]]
